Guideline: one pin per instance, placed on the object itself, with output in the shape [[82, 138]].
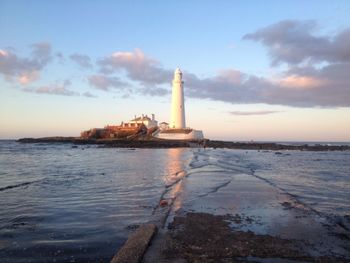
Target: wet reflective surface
[[282, 195], [64, 204], [78, 204]]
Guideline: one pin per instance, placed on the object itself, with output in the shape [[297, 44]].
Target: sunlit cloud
[[300, 82], [137, 66], [3, 53], [315, 73], [28, 77], [25, 70]]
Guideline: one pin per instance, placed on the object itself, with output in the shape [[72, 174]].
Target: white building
[[177, 129], [163, 126], [143, 119]]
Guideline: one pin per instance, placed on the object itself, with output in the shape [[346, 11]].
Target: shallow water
[[65, 204], [319, 179]]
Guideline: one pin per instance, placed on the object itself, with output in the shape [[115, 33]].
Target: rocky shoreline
[[157, 143], [203, 237]]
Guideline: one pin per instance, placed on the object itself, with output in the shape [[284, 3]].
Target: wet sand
[[244, 219]]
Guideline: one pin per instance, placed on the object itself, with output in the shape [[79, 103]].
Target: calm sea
[[62, 203]]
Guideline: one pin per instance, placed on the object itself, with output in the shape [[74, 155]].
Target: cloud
[[137, 67], [83, 61], [59, 55], [57, 88], [294, 42], [333, 88], [154, 91], [298, 85], [300, 82], [250, 113], [54, 89], [226, 87], [315, 73], [88, 95], [25, 70], [3, 53], [28, 77], [41, 52], [105, 83]]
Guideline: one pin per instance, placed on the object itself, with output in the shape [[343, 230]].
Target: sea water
[[66, 203]]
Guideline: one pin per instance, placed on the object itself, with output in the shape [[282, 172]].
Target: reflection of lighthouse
[[178, 104]]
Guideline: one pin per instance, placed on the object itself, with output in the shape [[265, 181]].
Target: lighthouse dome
[[178, 71], [177, 75]]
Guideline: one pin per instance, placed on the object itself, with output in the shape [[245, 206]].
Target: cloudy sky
[[253, 70]]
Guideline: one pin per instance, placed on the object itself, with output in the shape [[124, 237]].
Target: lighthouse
[[178, 104], [177, 129]]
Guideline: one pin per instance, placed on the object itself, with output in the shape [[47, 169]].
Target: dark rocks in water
[[117, 143], [274, 146], [287, 205], [132, 227], [157, 143], [48, 140]]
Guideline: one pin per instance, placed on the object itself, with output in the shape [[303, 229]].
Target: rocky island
[[149, 142]]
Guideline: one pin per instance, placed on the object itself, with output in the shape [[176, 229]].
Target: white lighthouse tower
[[177, 129], [178, 104]]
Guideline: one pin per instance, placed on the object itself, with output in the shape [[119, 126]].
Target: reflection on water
[[287, 195], [316, 181], [176, 164], [66, 204]]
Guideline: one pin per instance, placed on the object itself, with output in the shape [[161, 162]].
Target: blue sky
[[261, 70]]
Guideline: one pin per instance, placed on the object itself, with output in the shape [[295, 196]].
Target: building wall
[[147, 123], [193, 135]]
